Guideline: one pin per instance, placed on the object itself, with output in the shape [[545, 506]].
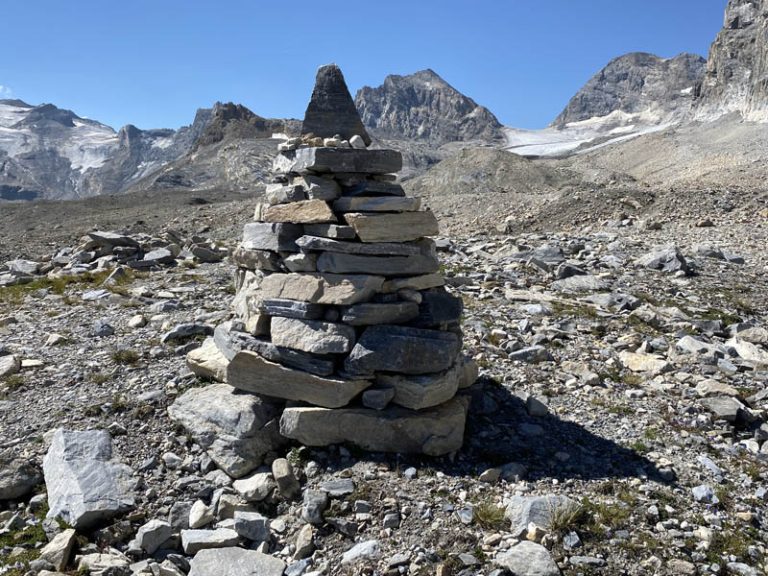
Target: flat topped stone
[[303, 212], [85, 482], [377, 204], [434, 432], [249, 371], [322, 288], [331, 109], [321, 244], [392, 227], [338, 160]]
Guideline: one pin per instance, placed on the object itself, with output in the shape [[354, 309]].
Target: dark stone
[[415, 265], [402, 349], [369, 314], [292, 309], [370, 249], [438, 308], [374, 188], [331, 109], [230, 342]]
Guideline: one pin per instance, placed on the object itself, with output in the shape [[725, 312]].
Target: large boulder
[[237, 430], [85, 481], [18, 478]]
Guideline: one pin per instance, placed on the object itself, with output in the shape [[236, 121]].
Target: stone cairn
[[340, 309]]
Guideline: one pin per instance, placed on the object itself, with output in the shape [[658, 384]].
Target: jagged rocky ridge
[[736, 77], [639, 84]]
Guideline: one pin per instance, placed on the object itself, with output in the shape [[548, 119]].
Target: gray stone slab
[[336, 263], [250, 372], [312, 336], [438, 308], [322, 288], [257, 259], [376, 204], [235, 562], [282, 194], [86, 483], [344, 160], [277, 237], [330, 231], [434, 432], [373, 313], [318, 187], [402, 349], [401, 227], [292, 309], [373, 249], [374, 188]]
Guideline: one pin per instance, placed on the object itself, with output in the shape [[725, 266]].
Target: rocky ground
[[618, 422]]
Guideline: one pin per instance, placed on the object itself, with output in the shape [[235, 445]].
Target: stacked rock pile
[[102, 250], [340, 309]]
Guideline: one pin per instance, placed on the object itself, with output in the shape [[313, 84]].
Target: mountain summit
[[423, 106], [637, 83]]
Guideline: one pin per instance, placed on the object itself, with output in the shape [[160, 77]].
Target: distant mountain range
[[50, 153]]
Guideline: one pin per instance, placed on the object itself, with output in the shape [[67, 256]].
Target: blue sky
[[152, 63]]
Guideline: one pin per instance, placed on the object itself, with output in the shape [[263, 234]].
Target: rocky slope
[[424, 107], [638, 84], [736, 78]]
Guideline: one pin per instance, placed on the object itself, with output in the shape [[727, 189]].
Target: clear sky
[[152, 63]]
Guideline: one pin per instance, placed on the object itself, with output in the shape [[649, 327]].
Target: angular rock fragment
[[419, 392], [312, 336], [322, 288], [324, 160], [401, 349], [207, 361], [238, 562], [377, 204], [336, 263], [18, 478], [372, 313], [86, 483], [373, 249], [277, 237], [250, 372], [193, 541], [236, 430]]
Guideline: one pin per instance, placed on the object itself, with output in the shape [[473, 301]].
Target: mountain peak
[[423, 106], [637, 83]]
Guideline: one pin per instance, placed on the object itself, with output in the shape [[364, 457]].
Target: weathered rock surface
[[312, 336], [401, 227], [250, 372], [434, 431], [528, 559], [322, 288], [17, 478], [237, 430], [86, 483], [238, 562]]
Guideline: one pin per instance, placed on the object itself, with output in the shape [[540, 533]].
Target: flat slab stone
[[374, 188], [312, 336], [111, 239], [376, 204], [277, 237], [322, 288], [402, 349], [528, 559], [304, 212], [250, 372], [419, 392], [400, 227], [292, 309], [423, 282], [236, 430], [373, 313], [372, 249], [318, 187], [336, 263], [330, 231], [342, 160], [434, 432], [86, 483], [235, 562], [193, 541], [331, 109], [232, 342]]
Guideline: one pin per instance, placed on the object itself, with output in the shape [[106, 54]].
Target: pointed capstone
[[331, 110]]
